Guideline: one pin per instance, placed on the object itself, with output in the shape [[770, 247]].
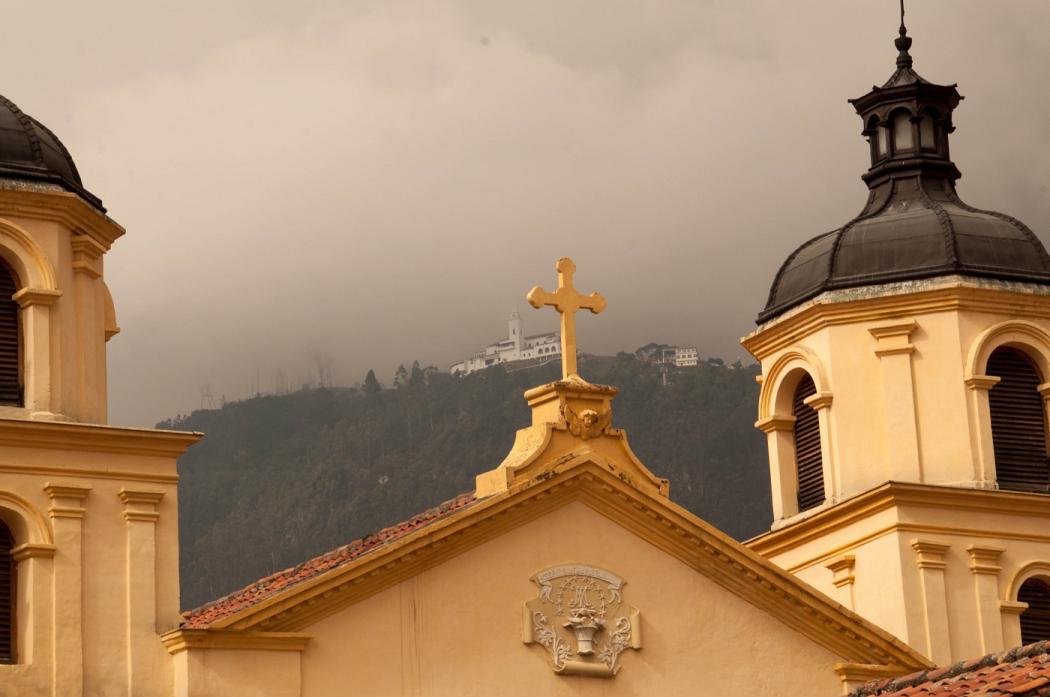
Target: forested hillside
[[281, 478]]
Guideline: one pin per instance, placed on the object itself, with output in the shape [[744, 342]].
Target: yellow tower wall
[[94, 513]]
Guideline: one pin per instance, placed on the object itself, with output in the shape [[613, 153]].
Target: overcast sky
[[379, 182]]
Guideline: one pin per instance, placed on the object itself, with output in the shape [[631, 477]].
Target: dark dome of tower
[[29, 151], [914, 225]]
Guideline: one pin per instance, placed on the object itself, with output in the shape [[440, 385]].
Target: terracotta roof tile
[[1022, 672], [264, 588]]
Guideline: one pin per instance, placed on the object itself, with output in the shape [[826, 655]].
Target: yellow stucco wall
[[937, 567], [456, 628], [94, 512]]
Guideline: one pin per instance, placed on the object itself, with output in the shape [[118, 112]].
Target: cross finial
[[566, 300]]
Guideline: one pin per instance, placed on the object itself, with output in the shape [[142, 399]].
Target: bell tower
[[56, 313], [88, 512], [905, 373]]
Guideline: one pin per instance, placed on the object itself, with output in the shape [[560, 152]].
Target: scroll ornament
[[581, 620]]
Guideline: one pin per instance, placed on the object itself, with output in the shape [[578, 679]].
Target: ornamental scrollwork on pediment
[[581, 619]]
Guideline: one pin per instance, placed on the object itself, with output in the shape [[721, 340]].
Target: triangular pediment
[[587, 477]]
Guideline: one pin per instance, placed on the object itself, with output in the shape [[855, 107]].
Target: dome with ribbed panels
[[29, 151], [914, 224]]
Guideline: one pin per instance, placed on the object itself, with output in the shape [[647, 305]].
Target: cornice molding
[[895, 494], [179, 640], [58, 435], [62, 207], [653, 518], [956, 295]]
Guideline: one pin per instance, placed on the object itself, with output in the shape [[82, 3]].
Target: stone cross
[[566, 300]]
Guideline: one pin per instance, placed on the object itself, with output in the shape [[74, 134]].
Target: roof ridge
[[885, 685]]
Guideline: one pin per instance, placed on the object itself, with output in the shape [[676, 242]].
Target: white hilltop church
[[904, 396], [514, 348]]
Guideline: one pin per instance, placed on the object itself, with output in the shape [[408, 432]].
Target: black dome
[[30, 151], [914, 225]]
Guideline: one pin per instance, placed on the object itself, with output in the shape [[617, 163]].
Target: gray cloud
[[383, 181]]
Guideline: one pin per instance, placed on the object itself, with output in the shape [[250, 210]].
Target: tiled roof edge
[[878, 687], [363, 544]]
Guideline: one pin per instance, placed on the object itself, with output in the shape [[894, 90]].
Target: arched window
[[1035, 620], [1018, 422], [807, 447], [10, 341], [928, 130], [7, 596], [903, 137]]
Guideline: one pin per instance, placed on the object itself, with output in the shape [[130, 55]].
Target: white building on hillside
[[680, 357], [539, 349]]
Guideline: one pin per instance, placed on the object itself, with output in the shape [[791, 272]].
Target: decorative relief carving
[[581, 620], [588, 423]]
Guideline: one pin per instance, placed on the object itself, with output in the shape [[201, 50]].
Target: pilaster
[[894, 350], [87, 269], [1010, 611], [35, 304], [34, 601], [143, 657], [843, 578], [981, 428], [984, 563], [67, 514], [931, 563], [780, 439]]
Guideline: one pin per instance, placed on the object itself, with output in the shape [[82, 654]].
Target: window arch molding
[[1009, 605], [1034, 569], [26, 523], [780, 381], [1022, 335], [26, 258]]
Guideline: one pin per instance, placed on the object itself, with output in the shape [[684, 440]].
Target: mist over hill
[[281, 478]]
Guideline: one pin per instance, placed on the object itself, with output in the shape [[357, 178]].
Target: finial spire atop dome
[[903, 43]]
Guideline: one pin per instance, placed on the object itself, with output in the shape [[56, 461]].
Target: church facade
[[904, 383]]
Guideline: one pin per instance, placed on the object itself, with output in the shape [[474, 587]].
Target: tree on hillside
[[372, 386]]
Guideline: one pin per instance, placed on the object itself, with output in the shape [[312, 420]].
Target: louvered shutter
[[1018, 422], [7, 597], [1035, 620], [10, 362], [807, 448]]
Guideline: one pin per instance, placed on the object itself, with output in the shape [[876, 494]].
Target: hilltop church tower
[[905, 374], [88, 512]]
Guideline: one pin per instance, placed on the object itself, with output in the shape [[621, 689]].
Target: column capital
[[930, 553], [140, 505], [1012, 607], [776, 424], [842, 570], [985, 559], [31, 550], [28, 297], [982, 382], [820, 400], [66, 500]]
